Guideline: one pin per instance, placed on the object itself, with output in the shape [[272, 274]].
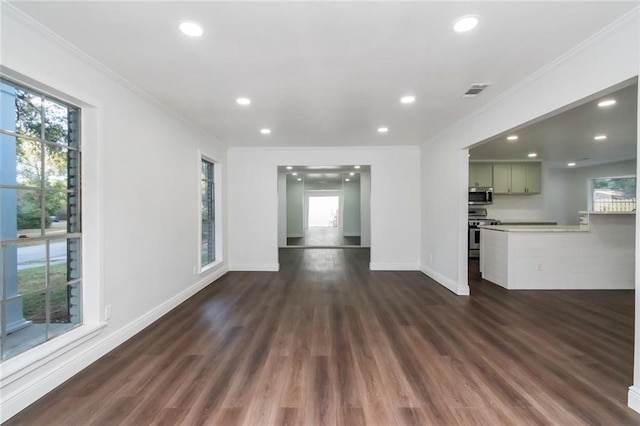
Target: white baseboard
[[633, 398], [46, 381], [255, 267], [376, 266], [454, 287]]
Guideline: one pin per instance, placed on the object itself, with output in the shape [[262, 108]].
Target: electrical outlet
[[107, 312]]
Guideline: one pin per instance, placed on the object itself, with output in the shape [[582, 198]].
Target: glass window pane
[[207, 240], [56, 210], [65, 308], [32, 331], [8, 173], [56, 161], [28, 113], [614, 194], [57, 263], [33, 307], [31, 267], [27, 211], [8, 214], [28, 162], [56, 122], [204, 253]]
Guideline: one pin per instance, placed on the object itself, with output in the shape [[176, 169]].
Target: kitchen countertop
[[605, 213], [533, 228], [527, 222]]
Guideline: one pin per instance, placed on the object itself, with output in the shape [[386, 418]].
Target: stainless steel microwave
[[480, 195]]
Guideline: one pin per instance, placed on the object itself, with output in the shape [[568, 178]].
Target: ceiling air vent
[[475, 90]]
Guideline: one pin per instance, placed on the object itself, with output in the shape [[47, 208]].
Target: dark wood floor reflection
[[325, 341], [323, 237]]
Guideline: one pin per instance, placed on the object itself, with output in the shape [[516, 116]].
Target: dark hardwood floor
[[323, 237], [325, 341]]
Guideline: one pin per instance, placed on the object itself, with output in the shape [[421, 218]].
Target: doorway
[[324, 206]]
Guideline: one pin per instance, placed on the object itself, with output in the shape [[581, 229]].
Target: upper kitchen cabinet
[[517, 178], [480, 175]]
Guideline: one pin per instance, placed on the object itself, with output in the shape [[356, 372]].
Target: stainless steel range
[[477, 217]]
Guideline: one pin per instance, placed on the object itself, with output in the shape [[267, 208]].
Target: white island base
[[599, 255]]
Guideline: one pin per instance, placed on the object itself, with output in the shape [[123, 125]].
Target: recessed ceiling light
[[383, 129], [466, 23], [532, 155], [243, 101], [600, 137], [512, 138], [352, 174], [347, 180], [606, 103], [299, 179], [294, 174], [289, 167], [265, 131], [571, 164], [191, 29], [356, 167], [409, 99]]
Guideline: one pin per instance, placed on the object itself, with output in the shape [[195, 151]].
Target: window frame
[[217, 214], [23, 364], [74, 232], [591, 186]]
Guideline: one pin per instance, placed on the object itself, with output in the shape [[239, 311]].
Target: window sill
[[28, 361], [216, 264]]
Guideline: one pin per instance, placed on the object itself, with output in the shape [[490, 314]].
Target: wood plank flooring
[[325, 341], [323, 237]]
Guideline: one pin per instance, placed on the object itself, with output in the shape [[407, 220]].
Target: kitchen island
[[597, 254]]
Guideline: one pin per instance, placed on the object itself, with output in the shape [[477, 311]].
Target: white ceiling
[[323, 73], [568, 136], [324, 174]]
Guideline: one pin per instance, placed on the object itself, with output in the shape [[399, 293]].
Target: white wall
[[365, 209], [607, 59], [395, 202], [351, 209], [141, 207], [295, 202], [282, 210]]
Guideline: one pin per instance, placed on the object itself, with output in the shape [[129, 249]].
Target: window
[[207, 238], [614, 194], [40, 229]]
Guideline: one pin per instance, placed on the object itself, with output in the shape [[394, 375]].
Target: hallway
[[326, 341]]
